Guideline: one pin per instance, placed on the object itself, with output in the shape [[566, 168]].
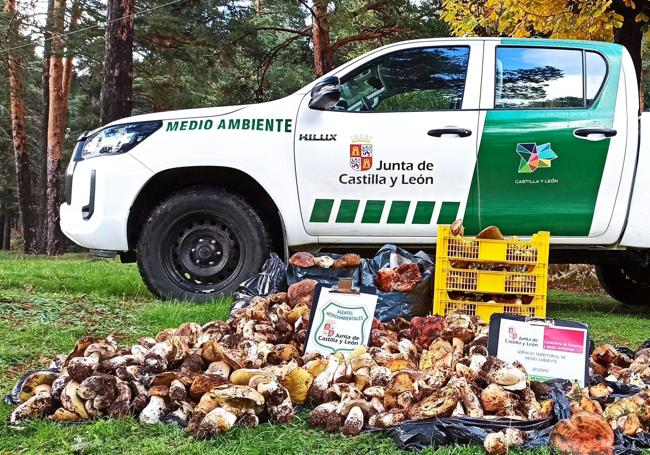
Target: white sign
[[547, 351], [339, 321]]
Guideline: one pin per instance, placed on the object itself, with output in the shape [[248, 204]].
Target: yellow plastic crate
[[525, 272], [445, 306]]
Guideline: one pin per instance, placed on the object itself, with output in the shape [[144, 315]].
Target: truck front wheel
[[199, 244], [629, 284]]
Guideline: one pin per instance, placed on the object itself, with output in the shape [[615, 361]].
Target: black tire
[[629, 284], [200, 244]]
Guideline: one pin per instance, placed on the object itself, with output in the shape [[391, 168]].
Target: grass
[[47, 303]]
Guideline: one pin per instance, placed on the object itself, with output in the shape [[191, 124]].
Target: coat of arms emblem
[[361, 153]]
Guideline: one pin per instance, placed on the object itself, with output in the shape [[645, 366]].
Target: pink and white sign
[[564, 340], [546, 351]]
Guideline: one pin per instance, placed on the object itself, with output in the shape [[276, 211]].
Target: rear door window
[[547, 78], [596, 74]]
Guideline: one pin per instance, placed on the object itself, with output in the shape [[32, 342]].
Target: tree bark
[[117, 85], [45, 93], [630, 35], [6, 232], [19, 136], [2, 225], [321, 38], [67, 68], [55, 130]]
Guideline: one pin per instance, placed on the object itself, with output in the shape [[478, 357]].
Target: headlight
[[118, 139]]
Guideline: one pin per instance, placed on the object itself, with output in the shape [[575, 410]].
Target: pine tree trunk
[[45, 93], [19, 136], [321, 38], [67, 66], [117, 86], [55, 130], [6, 232], [630, 35], [2, 224]]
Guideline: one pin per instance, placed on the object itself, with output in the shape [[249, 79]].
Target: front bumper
[[98, 219]]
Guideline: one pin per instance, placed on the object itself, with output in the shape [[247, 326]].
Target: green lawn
[[46, 304]]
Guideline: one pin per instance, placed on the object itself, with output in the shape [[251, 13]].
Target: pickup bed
[[527, 135]]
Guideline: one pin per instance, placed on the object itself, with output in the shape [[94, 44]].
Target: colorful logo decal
[[361, 153], [329, 329], [534, 156]]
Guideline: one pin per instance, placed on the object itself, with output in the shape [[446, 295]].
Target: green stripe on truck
[[347, 211], [320, 213], [372, 212], [398, 211], [423, 212], [448, 212]]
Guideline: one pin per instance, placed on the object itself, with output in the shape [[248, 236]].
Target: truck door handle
[[460, 132], [586, 132]]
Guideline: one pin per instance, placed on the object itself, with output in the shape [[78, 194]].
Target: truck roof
[[507, 40]]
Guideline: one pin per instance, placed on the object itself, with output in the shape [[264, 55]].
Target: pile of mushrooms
[[251, 368], [446, 371], [616, 366], [594, 419]]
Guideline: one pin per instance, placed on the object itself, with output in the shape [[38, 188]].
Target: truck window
[[538, 78], [424, 79], [596, 72]]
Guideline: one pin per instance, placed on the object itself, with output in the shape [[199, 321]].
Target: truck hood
[[280, 104], [182, 114]]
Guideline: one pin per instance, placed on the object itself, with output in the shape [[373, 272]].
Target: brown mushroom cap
[[302, 259], [80, 347], [462, 333], [213, 351], [237, 396], [102, 349], [457, 228], [37, 378], [203, 383], [283, 353], [189, 331], [165, 378], [63, 415], [584, 433], [158, 391], [491, 233]]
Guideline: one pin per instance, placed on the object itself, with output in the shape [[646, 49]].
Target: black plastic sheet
[[328, 277], [625, 445], [12, 398], [419, 434], [391, 305], [272, 278]]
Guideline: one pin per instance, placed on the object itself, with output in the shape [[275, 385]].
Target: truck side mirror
[[325, 94]]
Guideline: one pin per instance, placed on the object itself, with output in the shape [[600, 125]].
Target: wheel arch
[[167, 182]]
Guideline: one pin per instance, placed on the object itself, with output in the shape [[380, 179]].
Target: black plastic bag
[[391, 305], [632, 445], [419, 434], [12, 398], [328, 277], [271, 279]]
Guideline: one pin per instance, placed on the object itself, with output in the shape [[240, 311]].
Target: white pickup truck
[[527, 135]]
